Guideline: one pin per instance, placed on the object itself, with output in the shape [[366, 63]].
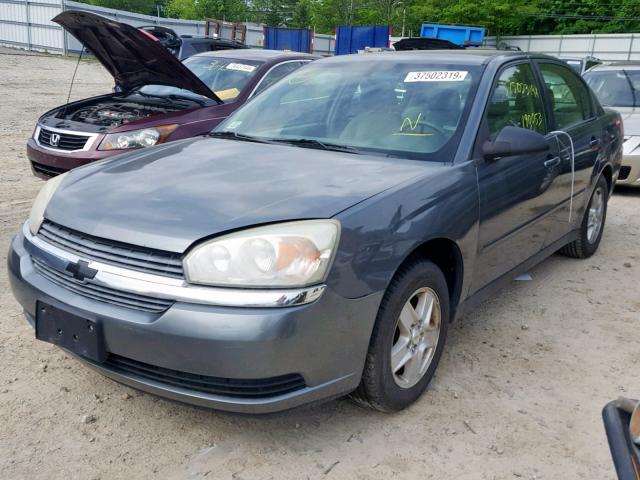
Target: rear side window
[[570, 99], [276, 73], [516, 101]]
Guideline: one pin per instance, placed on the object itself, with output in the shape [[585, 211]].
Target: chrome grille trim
[[100, 293], [172, 289], [67, 134], [115, 253]]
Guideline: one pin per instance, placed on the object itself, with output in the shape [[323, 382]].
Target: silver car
[[617, 85]]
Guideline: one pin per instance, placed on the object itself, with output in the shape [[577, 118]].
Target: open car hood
[[131, 56]]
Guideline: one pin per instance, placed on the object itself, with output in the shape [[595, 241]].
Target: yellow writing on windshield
[[525, 89], [532, 120], [407, 122], [412, 125]]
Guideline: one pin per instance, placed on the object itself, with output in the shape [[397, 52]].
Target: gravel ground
[[518, 392]]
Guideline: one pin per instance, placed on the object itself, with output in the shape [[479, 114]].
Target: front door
[[513, 190]]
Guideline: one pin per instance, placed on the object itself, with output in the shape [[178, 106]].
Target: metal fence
[[608, 47], [27, 24]]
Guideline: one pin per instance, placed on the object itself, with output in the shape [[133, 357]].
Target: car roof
[[630, 65], [256, 54], [475, 56]]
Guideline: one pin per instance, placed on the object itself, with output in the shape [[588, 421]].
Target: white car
[[617, 85]]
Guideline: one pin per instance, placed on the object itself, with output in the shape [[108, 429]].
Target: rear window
[[226, 77], [617, 88]]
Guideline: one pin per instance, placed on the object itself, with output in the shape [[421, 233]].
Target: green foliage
[[302, 14], [231, 10], [148, 7], [500, 17]]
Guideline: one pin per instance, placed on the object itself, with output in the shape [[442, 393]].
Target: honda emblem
[[54, 139]]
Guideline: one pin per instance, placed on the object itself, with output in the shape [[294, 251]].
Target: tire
[[588, 241], [380, 388]]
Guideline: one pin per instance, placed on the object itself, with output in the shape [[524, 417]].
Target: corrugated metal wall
[[27, 24], [609, 47]]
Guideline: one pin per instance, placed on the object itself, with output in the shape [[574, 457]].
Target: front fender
[[378, 235]]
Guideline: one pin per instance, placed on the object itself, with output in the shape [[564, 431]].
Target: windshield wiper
[[170, 97], [173, 96], [238, 136], [312, 143]]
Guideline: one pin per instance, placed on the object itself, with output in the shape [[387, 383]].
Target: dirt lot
[[518, 393]]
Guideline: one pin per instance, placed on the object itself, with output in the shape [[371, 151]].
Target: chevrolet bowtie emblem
[[81, 270]]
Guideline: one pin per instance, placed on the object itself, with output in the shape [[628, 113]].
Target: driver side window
[[516, 101]]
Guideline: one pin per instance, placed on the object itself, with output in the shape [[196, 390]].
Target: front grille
[[100, 293], [47, 170], [265, 387], [67, 141], [115, 253], [624, 173]]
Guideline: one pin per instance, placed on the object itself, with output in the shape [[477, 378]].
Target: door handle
[[552, 162], [594, 142]]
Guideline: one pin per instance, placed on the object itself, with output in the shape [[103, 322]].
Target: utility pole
[[404, 16]]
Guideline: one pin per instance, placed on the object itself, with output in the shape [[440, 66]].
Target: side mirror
[[514, 141]]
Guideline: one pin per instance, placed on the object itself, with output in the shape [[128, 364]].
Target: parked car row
[[319, 241], [183, 46]]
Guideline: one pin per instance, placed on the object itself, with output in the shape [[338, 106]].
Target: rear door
[[571, 111], [514, 202]]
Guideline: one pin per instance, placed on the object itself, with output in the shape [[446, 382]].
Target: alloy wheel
[[415, 337], [595, 215]]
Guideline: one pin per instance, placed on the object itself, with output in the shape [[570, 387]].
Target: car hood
[[170, 196], [131, 56], [630, 120]]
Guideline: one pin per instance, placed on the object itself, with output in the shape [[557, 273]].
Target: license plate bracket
[[77, 334]]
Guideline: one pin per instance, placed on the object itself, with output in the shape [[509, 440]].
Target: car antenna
[[75, 70]]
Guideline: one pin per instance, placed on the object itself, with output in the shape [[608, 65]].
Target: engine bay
[[113, 113]]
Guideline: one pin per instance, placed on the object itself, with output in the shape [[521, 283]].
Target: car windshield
[[411, 109], [618, 88], [226, 77]]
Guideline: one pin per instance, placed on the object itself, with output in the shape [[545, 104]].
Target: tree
[[500, 17], [148, 7], [302, 14], [231, 10]]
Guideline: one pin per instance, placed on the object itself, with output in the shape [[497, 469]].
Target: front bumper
[[630, 167], [47, 163], [324, 342]]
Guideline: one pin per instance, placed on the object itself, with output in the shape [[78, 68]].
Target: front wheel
[[407, 339], [592, 224]]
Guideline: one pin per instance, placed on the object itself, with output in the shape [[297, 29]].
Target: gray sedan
[[321, 240], [617, 85]]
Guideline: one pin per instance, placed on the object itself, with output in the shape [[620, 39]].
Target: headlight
[[146, 137], [293, 254], [36, 217]]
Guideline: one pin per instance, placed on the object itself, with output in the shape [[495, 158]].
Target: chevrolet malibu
[[325, 248], [156, 99]]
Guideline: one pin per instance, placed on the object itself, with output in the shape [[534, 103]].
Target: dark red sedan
[[156, 98]]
